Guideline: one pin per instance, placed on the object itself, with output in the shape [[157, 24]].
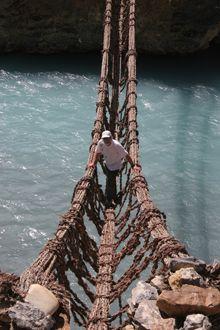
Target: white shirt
[[113, 154]]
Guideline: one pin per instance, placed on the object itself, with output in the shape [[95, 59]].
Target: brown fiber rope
[[138, 225], [106, 249]]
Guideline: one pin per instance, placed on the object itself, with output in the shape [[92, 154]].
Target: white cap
[[106, 134]]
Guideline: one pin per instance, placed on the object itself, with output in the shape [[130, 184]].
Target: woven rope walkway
[[134, 228], [130, 238]]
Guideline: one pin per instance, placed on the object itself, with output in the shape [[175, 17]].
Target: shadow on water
[[76, 63], [173, 71], [195, 211], [185, 74], [181, 71], [180, 155], [201, 209]]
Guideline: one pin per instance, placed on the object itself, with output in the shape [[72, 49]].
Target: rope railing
[[51, 259]]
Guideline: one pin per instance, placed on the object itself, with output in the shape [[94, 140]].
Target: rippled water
[[47, 111]]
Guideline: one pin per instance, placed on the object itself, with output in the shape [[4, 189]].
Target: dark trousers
[[110, 188]]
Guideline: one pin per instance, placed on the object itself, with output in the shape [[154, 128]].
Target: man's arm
[[134, 166], [95, 160]]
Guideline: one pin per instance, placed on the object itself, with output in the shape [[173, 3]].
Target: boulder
[[4, 315], [43, 299], [26, 316], [148, 315], [142, 291], [215, 267], [63, 322], [128, 327], [185, 276], [144, 310], [187, 262], [197, 322], [158, 283], [189, 299]]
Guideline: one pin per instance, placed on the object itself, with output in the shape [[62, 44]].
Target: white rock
[[148, 315], [158, 282], [43, 299], [128, 327], [142, 291], [197, 322]]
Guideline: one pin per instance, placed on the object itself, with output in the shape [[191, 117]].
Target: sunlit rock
[[148, 315], [43, 299], [128, 327], [189, 299], [185, 276], [158, 283]]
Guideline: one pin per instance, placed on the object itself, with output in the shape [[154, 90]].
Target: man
[[114, 155]]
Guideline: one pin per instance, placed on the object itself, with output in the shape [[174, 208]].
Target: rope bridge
[[130, 238]]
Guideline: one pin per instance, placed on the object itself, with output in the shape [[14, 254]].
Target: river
[[47, 111]]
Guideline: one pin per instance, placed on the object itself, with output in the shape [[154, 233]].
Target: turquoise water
[[47, 111]]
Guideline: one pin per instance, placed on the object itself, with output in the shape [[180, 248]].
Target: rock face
[[171, 26], [163, 26], [190, 299], [50, 26]]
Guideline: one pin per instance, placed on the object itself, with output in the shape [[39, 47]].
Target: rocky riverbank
[[163, 26], [184, 299]]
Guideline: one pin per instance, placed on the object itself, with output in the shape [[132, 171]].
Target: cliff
[[53, 26]]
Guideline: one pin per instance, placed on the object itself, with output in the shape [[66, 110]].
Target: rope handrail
[[82, 189]]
